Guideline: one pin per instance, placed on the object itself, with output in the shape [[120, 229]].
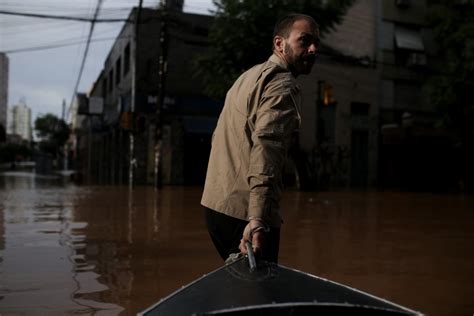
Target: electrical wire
[[81, 70], [11, 30], [80, 48], [59, 45], [62, 17]]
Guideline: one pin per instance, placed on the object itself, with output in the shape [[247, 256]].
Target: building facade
[[129, 86], [372, 123], [4, 71], [339, 133], [19, 121], [412, 149]]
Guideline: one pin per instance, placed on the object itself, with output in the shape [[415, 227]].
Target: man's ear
[[279, 43]]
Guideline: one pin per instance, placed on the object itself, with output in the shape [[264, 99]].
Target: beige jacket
[[251, 141]]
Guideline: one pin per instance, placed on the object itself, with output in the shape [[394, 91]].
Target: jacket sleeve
[[276, 120]]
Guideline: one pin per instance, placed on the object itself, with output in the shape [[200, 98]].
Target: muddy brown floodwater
[[67, 249]]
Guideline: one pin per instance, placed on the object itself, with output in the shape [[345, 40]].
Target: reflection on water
[[103, 251], [42, 269]]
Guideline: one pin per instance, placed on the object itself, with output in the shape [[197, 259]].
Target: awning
[[408, 39]]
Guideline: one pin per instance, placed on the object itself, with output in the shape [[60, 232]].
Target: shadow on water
[[66, 249]]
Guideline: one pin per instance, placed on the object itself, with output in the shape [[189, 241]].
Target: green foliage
[[451, 92], [241, 35], [13, 152], [53, 133]]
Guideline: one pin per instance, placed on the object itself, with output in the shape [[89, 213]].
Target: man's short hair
[[284, 25]]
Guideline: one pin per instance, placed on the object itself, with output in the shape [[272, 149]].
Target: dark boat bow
[[270, 289]]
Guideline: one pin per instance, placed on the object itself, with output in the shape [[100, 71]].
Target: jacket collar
[[280, 62]]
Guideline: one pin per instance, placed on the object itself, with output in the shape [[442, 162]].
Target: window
[[126, 60], [409, 47], [416, 59], [328, 98], [118, 70]]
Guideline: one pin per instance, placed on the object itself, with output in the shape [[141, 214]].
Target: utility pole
[[135, 36], [161, 94], [65, 151]]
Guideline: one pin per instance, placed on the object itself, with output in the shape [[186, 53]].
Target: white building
[[19, 121], [3, 89]]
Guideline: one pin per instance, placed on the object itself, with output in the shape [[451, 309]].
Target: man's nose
[[313, 48]]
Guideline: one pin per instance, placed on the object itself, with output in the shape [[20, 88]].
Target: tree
[[53, 133], [241, 35], [450, 90]]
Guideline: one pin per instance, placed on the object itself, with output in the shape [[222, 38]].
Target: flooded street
[[67, 249]]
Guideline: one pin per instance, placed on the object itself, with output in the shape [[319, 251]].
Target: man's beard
[[300, 64]]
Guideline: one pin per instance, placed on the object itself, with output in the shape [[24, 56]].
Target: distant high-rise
[[3, 89], [19, 121]]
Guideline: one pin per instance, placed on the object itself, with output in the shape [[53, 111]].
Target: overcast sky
[[46, 77]]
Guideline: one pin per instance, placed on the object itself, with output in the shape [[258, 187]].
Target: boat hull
[[270, 289]]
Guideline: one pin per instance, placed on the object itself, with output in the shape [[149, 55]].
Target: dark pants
[[226, 232]]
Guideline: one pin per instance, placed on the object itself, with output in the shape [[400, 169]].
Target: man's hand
[[254, 232]]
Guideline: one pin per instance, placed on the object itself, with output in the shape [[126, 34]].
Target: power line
[[53, 46], [63, 17], [96, 13]]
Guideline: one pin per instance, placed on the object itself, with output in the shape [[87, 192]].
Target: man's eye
[[304, 40]]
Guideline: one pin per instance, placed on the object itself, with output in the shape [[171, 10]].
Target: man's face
[[300, 48]]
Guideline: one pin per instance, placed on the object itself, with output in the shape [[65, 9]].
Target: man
[[250, 143]]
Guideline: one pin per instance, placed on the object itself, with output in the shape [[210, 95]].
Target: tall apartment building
[[19, 121], [3, 89]]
